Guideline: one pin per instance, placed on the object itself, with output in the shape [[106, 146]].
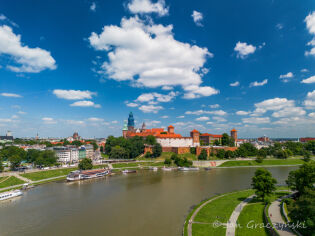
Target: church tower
[[125, 129], [131, 122]]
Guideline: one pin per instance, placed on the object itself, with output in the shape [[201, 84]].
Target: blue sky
[[70, 66]]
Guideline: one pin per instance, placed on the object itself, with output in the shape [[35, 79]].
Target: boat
[[153, 168], [10, 194], [167, 168], [129, 171], [187, 168], [86, 174], [208, 168]]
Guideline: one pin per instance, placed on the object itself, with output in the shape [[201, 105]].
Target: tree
[[1, 166], [157, 150], [263, 183], [216, 142], [302, 178], [259, 159], [262, 153], [85, 164], [167, 161], [203, 155], [150, 139], [148, 155], [307, 156], [225, 140], [303, 210], [76, 143], [174, 156], [101, 149], [310, 146], [118, 152], [221, 153], [15, 161], [32, 155], [10, 151], [281, 154], [228, 154]]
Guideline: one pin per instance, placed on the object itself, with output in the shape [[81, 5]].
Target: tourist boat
[[10, 194], [167, 168], [187, 168], [129, 171], [86, 174], [153, 168]]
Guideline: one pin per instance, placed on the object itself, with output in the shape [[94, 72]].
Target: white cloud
[[93, 6], [148, 55], [73, 94], [180, 117], [150, 108], [242, 113], [21, 112], [114, 122], [164, 117], [132, 104], [49, 120], [146, 6], [75, 122], [273, 104], [219, 119], [310, 100], [156, 97], [257, 84], [12, 95], [5, 120], [235, 84], [285, 77], [312, 115], [85, 104], [152, 122], [2, 17], [256, 120], [202, 118], [197, 17], [95, 119], [309, 80], [310, 25], [200, 112], [214, 106], [289, 112], [244, 49], [279, 26], [32, 60], [167, 88], [304, 70]]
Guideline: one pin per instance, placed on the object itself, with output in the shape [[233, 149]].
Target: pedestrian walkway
[[231, 225], [22, 178], [274, 212]]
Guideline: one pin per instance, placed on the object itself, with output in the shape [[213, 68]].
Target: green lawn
[[131, 164], [100, 166], [12, 180], [218, 210], [265, 162], [47, 174]]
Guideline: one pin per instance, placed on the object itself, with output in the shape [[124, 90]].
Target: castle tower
[[125, 129], [131, 122], [143, 128], [170, 129], [234, 134], [195, 135]]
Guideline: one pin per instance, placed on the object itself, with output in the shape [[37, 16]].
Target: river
[[142, 204]]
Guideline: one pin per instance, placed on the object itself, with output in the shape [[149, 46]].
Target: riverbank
[[270, 162]]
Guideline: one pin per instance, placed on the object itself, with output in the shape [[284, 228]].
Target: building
[[82, 153], [7, 138], [89, 151], [67, 155], [131, 123], [209, 139], [305, 140], [234, 134], [264, 139]]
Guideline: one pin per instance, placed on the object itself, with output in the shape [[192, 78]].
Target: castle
[[172, 142]]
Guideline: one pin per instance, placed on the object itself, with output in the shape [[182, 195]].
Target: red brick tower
[[234, 134], [170, 129], [195, 135]]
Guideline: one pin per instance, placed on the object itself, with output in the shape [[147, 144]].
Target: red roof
[[170, 126], [195, 131], [212, 135], [233, 130]]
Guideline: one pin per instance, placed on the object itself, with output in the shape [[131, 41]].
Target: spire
[[143, 126], [125, 125]]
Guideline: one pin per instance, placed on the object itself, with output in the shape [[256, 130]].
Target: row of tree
[[122, 148], [182, 162]]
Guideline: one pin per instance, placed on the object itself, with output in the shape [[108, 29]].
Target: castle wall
[[175, 142]]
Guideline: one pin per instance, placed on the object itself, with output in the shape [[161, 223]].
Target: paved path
[[274, 212], [231, 226], [22, 178]]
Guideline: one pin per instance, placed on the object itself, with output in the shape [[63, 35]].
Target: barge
[[86, 174], [10, 194]]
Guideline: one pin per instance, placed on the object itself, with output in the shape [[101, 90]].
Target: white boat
[[129, 171], [86, 174], [153, 168], [188, 168], [10, 194], [167, 168]]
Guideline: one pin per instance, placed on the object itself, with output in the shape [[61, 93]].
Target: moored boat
[[10, 194], [86, 174], [153, 168], [167, 168], [129, 171], [188, 168]]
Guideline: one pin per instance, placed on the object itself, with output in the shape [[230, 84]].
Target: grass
[[11, 181], [40, 175], [264, 163], [105, 156], [207, 229], [100, 166], [48, 181]]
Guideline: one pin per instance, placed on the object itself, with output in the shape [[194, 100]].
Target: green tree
[[32, 155], [101, 149], [193, 150], [262, 153], [310, 146], [15, 161], [228, 154], [221, 153], [157, 150], [306, 155], [148, 155], [203, 155], [1, 166], [225, 140], [167, 161], [10, 151], [281, 154], [174, 156], [216, 142], [302, 178], [76, 143], [150, 139], [263, 183], [118, 152], [85, 164]]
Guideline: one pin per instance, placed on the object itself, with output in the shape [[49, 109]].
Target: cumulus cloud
[[273, 104], [244, 49], [214, 106], [148, 55], [150, 108], [197, 17], [49, 120], [256, 120], [156, 97], [164, 117], [85, 104], [32, 60], [285, 78], [95, 119], [93, 6], [304, 70], [131, 104], [310, 100], [309, 80], [180, 117], [202, 118], [200, 112], [242, 113], [289, 112], [75, 122], [219, 119], [312, 115], [146, 6], [73, 94], [257, 84], [12, 95], [235, 84], [310, 25]]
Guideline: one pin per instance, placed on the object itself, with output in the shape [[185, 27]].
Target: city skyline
[[83, 66]]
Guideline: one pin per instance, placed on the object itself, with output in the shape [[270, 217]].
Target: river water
[[142, 204]]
